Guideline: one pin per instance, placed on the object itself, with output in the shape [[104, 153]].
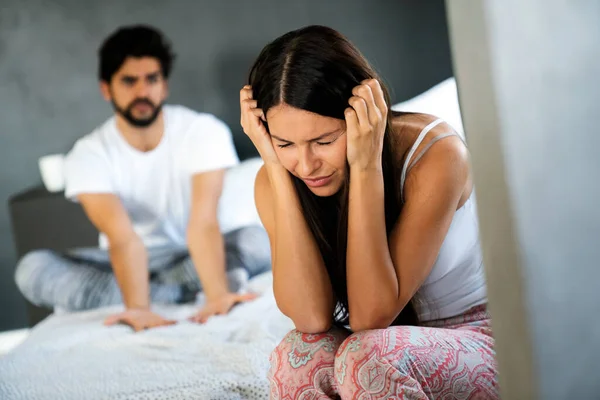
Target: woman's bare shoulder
[[406, 128], [431, 155], [411, 124]]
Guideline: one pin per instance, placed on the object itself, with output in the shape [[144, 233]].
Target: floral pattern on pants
[[446, 359]]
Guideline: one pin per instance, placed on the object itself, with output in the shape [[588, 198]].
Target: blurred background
[[49, 87], [528, 79]]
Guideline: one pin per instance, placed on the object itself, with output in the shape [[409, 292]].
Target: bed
[[73, 356]]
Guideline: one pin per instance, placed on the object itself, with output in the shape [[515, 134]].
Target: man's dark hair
[[134, 41]]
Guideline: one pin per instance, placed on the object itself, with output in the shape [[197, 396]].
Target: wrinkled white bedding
[[73, 356]]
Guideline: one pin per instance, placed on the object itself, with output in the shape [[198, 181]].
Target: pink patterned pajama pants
[[445, 359]]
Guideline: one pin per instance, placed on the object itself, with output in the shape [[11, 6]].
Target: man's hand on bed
[[220, 306], [138, 319]]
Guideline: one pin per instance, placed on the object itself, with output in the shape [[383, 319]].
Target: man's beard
[[138, 122]]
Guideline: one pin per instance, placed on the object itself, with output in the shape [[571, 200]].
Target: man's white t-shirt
[[154, 186]]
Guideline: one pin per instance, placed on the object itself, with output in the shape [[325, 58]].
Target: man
[[149, 179]]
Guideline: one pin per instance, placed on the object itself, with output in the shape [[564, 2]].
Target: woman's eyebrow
[[323, 136], [280, 139]]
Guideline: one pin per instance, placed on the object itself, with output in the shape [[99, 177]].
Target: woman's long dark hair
[[315, 69]]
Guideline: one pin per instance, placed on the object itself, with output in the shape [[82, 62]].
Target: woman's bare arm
[[300, 281], [384, 274]]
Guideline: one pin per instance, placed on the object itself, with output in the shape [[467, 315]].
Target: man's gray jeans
[[82, 279]]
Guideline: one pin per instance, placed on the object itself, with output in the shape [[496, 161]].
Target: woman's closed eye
[[322, 143], [283, 146]]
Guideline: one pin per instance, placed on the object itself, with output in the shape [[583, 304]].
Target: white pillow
[[236, 206], [441, 101]]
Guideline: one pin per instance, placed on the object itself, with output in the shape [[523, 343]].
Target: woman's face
[[312, 147]]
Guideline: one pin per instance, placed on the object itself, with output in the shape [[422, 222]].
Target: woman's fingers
[[250, 116], [252, 119], [360, 107], [364, 92], [248, 104], [378, 95], [258, 113], [246, 93], [351, 120]]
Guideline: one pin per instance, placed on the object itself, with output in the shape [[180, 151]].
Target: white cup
[[53, 171]]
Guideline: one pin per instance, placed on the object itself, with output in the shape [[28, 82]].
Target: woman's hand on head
[[252, 122], [366, 119]]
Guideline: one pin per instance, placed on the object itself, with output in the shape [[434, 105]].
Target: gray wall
[[48, 87], [528, 74]]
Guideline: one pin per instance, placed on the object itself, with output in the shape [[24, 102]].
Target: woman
[[372, 223]]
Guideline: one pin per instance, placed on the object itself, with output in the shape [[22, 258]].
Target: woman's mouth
[[319, 181]]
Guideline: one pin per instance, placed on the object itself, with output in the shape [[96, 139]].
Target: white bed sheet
[[73, 356], [11, 339]]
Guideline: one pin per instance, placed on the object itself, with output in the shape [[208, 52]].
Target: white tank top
[[456, 282]]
